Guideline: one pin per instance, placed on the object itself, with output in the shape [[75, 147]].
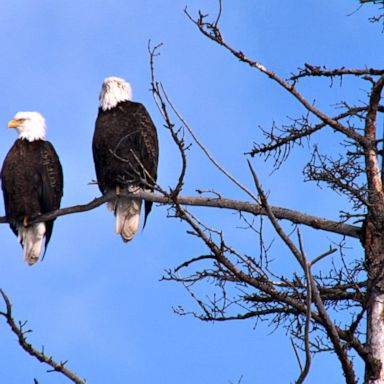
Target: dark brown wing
[[150, 151], [51, 183]]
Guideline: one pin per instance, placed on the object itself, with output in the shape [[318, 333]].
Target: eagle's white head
[[114, 91], [30, 125]]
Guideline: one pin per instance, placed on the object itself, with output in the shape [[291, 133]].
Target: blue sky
[[98, 302]]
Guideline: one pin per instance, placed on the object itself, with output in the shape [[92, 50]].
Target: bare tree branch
[[158, 92], [212, 32], [205, 150], [317, 71], [308, 358], [293, 305], [375, 185], [328, 324], [304, 130], [241, 206], [20, 332]]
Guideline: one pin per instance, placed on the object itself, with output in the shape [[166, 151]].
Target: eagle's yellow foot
[[118, 189], [26, 221]]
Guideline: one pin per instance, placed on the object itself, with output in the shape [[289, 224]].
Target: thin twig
[[219, 13], [157, 92], [322, 256], [308, 358], [206, 152], [296, 354]]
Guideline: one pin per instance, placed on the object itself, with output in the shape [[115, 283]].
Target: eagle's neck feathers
[[32, 136]]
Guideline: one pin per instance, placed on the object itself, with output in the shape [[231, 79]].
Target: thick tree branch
[[293, 216], [345, 292], [375, 186]]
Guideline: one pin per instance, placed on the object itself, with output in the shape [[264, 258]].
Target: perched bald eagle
[[125, 152], [32, 183]]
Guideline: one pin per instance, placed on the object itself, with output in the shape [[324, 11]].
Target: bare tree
[[327, 302], [309, 300]]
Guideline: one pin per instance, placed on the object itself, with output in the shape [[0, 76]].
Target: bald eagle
[[125, 152], [32, 183]]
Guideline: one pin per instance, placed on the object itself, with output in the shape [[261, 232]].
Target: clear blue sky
[[98, 302]]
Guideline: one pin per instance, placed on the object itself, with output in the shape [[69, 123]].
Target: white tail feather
[[111, 205], [32, 239], [127, 212]]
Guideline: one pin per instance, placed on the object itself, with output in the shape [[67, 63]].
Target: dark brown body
[[32, 182], [124, 145]]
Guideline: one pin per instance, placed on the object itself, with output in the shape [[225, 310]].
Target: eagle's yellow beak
[[14, 123]]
